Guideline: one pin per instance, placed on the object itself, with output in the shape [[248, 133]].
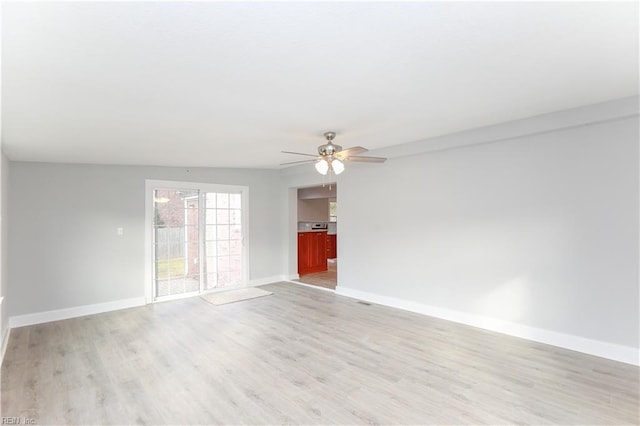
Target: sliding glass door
[[199, 234]]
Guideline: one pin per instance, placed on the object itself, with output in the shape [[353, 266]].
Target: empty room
[[331, 213]]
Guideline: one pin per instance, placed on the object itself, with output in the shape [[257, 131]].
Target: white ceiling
[[233, 84]]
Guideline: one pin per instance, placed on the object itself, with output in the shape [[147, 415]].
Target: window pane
[[170, 268], [223, 232], [162, 288], [212, 280], [162, 272], [191, 283], [211, 265], [210, 247], [192, 249], [162, 251], [160, 194], [223, 264], [223, 201], [235, 247], [223, 248], [190, 217], [162, 236], [235, 201], [210, 233], [210, 216], [176, 249], [210, 200], [235, 217], [234, 263], [223, 279], [222, 216], [235, 232]]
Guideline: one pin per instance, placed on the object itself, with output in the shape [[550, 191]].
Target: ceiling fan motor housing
[[329, 148]]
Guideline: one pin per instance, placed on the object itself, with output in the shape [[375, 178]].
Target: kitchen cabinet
[[312, 252], [332, 247]]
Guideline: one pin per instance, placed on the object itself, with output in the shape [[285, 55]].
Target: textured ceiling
[[233, 84]]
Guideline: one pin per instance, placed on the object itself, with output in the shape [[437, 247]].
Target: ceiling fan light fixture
[[337, 166], [331, 158], [322, 166]]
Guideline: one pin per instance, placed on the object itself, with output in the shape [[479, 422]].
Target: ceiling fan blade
[[299, 153], [297, 162], [351, 151], [366, 159]]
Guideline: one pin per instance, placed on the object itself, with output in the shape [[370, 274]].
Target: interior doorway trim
[[292, 224]]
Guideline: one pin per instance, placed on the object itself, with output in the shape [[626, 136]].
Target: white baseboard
[[77, 311], [626, 354], [267, 280], [293, 277]]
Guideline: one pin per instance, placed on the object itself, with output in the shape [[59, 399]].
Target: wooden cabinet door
[[312, 252], [334, 246], [304, 261], [320, 253]]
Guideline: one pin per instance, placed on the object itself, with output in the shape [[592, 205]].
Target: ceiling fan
[[330, 157]]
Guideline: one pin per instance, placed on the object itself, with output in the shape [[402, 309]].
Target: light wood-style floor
[[326, 279], [300, 356]]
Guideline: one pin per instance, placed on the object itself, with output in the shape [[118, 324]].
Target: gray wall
[[539, 230], [4, 227], [315, 210], [64, 248], [326, 191]]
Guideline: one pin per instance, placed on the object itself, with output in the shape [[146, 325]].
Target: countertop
[[319, 230]]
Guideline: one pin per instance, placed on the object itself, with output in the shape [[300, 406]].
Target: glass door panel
[[176, 241], [223, 236]]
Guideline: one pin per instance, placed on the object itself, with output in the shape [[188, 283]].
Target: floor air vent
[[364, 303]]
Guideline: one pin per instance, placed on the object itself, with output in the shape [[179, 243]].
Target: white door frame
[[150, 186]]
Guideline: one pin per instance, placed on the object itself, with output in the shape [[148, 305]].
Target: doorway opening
[[317, 226]]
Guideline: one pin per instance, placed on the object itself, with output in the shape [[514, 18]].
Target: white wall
[[64, 248], [539, 231], [326, 191], [4, 182], [313, 210], [4, 227]]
